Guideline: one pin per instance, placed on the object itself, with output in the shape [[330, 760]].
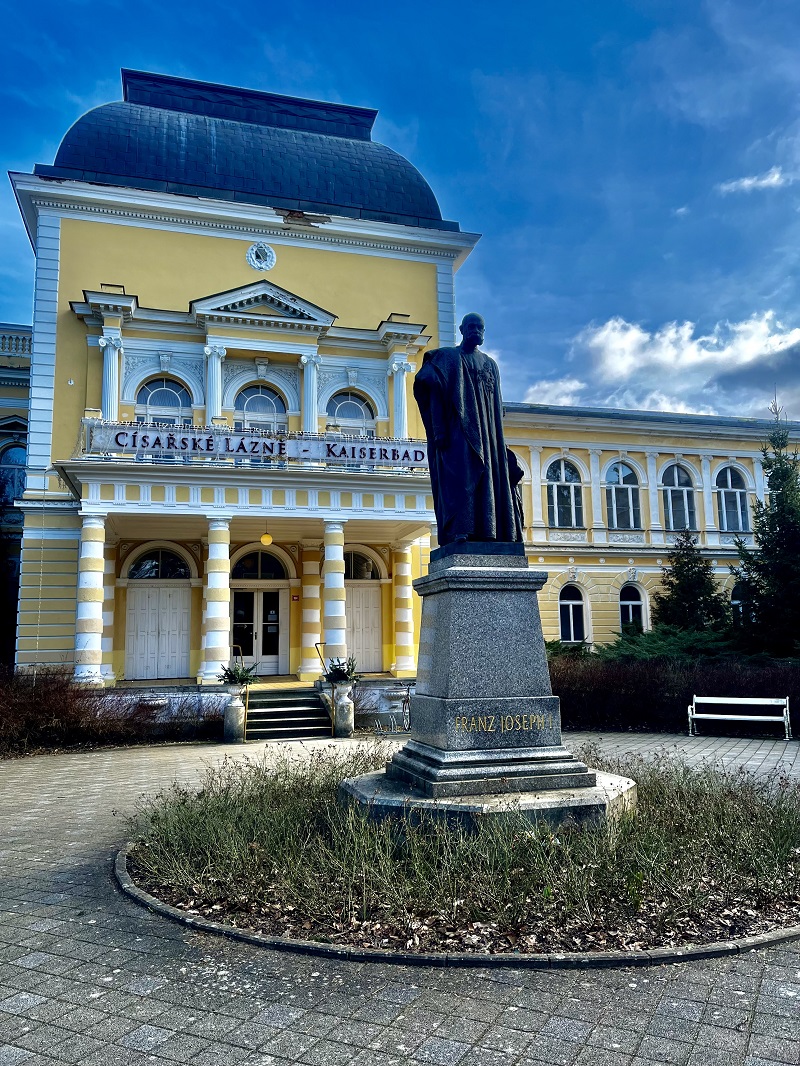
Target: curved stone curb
[[557, 960]]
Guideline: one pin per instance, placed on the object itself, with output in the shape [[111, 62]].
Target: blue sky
[[633, 166]]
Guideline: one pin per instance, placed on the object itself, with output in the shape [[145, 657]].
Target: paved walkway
[[88, 977]]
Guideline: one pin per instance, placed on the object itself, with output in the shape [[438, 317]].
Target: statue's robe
[[474, 476]]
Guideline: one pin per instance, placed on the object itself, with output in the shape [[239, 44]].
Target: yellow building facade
[[233, 291]]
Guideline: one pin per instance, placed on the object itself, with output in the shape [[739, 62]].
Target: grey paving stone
[[59, 913], [441, 1052], [775, 1048], [658, 1049]]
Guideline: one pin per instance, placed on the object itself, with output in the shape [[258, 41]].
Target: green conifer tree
[[770, 571], [690, 597]]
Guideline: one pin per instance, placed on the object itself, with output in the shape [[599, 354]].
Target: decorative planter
[[344, 709], [234, 717]]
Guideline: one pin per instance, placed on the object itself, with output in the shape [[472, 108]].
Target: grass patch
[[712, 853]]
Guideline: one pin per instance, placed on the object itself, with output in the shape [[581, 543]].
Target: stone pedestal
[[484, 721]]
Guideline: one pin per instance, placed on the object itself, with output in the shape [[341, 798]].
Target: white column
[[598, 526], [656, 529], [758, 471], [399, 368], [334, 619], [311, 603], [537, 519], [308, 364], [404, 664], [712, 536], [215, 354], [111, 347], [89, 619], [217, 601]]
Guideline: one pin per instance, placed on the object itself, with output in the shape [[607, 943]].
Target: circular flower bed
[[265, 845]]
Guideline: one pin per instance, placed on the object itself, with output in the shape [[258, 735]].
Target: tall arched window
[[350, 413], [631, 607], [738, 603], [732, 501], [622, 498], [570, 610], [260, 407], [679, 510], [564, 495], [164, 400], [12, 474]]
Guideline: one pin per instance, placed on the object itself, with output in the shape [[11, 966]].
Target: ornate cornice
[[276, 232]]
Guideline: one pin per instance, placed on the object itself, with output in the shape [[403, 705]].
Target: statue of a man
[[473, 475]]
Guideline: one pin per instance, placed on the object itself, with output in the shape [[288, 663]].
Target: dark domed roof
[[198, 139]]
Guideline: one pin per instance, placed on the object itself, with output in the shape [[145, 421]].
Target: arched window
[[570, 609], [350, 413], [166, 401], [260, 407], [738, 603], [258, 566], [732, 501], [564, 495], [679, 511], [12, 474], [631, 608], [622, 498], [359, 567], [159, 564]]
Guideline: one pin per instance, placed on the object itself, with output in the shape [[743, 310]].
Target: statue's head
[[472, 329]]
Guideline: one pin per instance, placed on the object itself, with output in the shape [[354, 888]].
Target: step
[[288, 734], [267, 721], [284, 703]]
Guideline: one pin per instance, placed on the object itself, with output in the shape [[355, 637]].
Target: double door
[[260, 628], [157, 635]]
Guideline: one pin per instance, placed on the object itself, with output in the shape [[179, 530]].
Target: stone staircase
[[286, 714]]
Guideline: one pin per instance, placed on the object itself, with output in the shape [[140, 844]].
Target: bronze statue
[[475, 478]]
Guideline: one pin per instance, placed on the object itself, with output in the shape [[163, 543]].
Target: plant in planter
[[342, 675], [238, 674], [341, 671]]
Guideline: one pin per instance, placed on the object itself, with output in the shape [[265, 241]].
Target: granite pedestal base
[[382, 797], [485, 726]]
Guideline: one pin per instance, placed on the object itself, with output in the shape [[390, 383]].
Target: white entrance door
[[363, 607], [260, 628], [157, 634]]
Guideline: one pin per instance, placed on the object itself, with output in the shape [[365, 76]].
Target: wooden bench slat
[[742, 717], [754, 700]]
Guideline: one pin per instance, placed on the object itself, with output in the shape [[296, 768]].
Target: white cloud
[[560, 392], [622, 351], [773, 179], [732, 369], [681, 211]]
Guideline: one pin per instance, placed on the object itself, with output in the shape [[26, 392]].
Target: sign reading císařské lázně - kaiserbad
[[221, 443]]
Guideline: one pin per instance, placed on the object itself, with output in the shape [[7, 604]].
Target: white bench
[[740, 701]]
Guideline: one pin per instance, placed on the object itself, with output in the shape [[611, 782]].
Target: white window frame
[[673, 492], [634, 499], [164, 416], [277, 424], [575, 496], [575, 606], [740, 495]]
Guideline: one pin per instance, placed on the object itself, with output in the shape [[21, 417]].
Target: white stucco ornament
[[260, 256]]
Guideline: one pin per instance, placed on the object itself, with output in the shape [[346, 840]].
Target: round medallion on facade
[[260, 256]]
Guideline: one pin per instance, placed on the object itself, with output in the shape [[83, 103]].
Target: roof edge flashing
[[247, 105]]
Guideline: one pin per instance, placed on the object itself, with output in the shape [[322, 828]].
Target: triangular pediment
[[261, 304]]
